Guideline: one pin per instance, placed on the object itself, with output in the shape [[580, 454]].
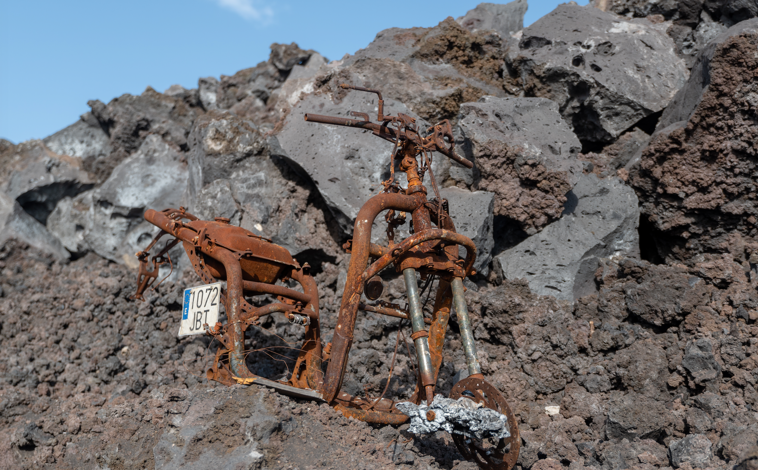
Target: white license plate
[[200, 308]]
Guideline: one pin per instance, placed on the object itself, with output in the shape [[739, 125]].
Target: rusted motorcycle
[[252, 265]]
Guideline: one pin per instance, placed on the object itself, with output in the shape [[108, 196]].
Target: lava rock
[[234, 173], [694, 179], [505, 19], [526, 155], [662, 295], [700, 361], [108, 220], [208, 90], [17, 225], [84, 139], [600, 221], [693, 23], [606, 73], [432, 71], [346, 165], [129, 119], [694, 449], [38, 178], [472, 216], [631, 415]]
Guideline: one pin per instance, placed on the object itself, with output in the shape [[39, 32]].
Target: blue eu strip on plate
[[185, 311]]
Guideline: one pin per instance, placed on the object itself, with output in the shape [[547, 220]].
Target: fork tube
[[464, 324], [421, 342]]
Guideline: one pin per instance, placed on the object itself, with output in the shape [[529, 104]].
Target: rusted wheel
[[489, 454]]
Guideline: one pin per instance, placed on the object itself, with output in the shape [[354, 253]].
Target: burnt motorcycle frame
[[251, 265]]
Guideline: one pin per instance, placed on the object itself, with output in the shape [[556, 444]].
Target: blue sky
[[56, 55]]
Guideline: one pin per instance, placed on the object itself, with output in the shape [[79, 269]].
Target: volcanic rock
[[472, 215], [694, 179], [19, 227], [346, 165], [235, 172], [430, 70], [631, 415], [505, 19], [525, 154], [600, 221], [693, 24], [38, 178], [129, 119], [695, 449], [84, 139], [605, 73], [108, 220]]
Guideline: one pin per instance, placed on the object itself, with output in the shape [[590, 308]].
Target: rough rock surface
[[431, 70], [38, 178], [19, 228], [600, 221], [606, 73], [655, 367], [83, 139], [472, 215], [346, 165], [108, 220], [693, 24], [129, 119], [525, 154], [695, 178], [506, 19], [235, 172]]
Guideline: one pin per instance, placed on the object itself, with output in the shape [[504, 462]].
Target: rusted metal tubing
[[464, 324], [390, 312], [410, 242], [262, 288], [421, 342], [311, 350], [233, 312], [377, 251], [379, 417], [271, 308], [343, 332]]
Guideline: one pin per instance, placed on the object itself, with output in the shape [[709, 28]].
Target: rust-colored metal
[[252, 265], [488, 455]]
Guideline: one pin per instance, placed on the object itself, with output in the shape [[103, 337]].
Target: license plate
[[200, 308]]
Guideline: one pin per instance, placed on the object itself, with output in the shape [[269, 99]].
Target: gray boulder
[[600, 221], [606, 73], [17, 225], [253, 93], [84, 139], [346, 165], [525, 154], [129, 119], [108, 220], [472, 215], [694, 449], [505, 19], [38, 178], [235, 172], [208, 88], [693, 23]]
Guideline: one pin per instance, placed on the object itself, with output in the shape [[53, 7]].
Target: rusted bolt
[[430, 416]]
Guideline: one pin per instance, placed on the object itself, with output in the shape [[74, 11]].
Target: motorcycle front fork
[[420, 335]]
